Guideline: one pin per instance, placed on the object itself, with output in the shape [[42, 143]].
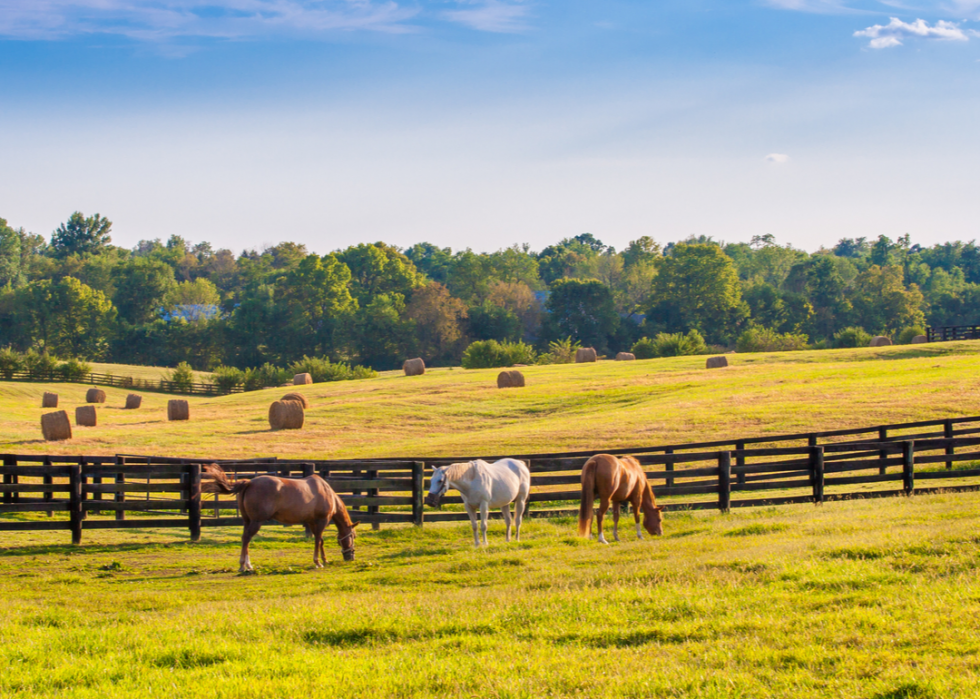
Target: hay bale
[[302, 379], [85, 416], [510, 378], [133, 401], [585, 354], [880, 341], [286, 415], [414, 367], [716, 362], [178, 410], [917, 340], [50, 400], [55, 426], [625, 356], [298, 397], [95, 395]]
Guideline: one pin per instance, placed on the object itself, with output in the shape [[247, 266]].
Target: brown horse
[[310, 501], [616, 480]]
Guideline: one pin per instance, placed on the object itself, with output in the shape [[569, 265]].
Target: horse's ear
[[659, 508], [354, 525]]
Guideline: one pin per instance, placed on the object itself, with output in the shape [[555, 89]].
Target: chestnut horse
[[615, 480], [310, 501]]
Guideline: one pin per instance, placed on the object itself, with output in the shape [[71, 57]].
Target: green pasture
[[865, 599], [572, 406]]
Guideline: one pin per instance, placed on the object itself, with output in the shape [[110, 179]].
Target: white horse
[[484, 486]]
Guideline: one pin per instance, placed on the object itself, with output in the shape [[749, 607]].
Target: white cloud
[[167, 19], [885, 35], [777, 158], [490, 15]]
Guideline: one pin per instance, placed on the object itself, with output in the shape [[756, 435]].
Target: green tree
[[67, 318], [883, 304], [438, 319], [11, 272], [142, 287], [378, 269], [382, 334], [696, 288], [582, 309], [81, 235]]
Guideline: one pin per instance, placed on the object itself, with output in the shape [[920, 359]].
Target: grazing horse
[[616, 480], [310, 501], [484, 486]]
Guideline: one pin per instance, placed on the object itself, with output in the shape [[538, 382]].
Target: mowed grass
[[865, 599], [581, 406]]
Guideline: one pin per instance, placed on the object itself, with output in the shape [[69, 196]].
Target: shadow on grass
[[83, 549]]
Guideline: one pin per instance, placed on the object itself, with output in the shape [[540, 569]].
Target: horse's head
[[653, 520], [438, 487], [346, 542]]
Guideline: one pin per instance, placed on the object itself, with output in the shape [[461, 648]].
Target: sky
[[485, 123]]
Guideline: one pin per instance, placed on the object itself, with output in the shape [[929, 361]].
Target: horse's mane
[[455, 472]]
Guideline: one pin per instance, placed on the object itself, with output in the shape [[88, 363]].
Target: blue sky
[[484, 123]]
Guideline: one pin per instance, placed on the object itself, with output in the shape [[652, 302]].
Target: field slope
[[583, 406]]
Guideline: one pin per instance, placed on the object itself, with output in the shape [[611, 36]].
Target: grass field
[[862, 599], [581, 406], [876, 599]]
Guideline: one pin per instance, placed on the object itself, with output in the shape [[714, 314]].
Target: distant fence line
[[953, 332], [161, 385], [166, 491]]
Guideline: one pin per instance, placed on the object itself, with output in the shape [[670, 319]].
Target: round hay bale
[[85, 416], [414, 367], [716, 362], [298, 397], [178, 410], [286, 415], [510, 378], [55, 426], [625, 356], [880, 341], [95, 395], [585, 354], [302, 379], [917, 340], [133, 401], [50, 400]]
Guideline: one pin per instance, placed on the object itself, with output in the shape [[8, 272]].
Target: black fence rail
[[880, 461], [953, 332], [158, 385]]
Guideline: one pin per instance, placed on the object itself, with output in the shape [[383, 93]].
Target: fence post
[[194, 500], [120, 492], [75, 512], [373, 509], [84, 481], [669, 466], [740, 461], [47, 479], [8, 478], [724, 481], [950, 449], [816, 473], [418, 484], [883, 453], [908, 466]]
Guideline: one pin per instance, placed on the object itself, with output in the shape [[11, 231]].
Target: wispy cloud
[[491, 15], [777, 158], [168, 19], [892, 34]]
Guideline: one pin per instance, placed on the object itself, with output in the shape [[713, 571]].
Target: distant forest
[[161, 303]]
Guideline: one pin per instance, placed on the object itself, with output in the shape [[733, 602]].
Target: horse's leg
[[615, 511], [472, 513], [484, 515], [506, 512], [251, 529], [519, 515], [637, 501], [316, 528], [603, 506]]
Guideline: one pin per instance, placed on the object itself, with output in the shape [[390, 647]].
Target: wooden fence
[[160, 385], [953, 332], [881, 461]]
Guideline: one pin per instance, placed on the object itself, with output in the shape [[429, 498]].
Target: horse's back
[[505, 479], [288, 500]]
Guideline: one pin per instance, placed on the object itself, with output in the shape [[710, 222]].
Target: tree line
[[162, 303]]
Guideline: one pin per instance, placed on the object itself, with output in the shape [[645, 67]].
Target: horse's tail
[[218, 481], [588, 498]]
